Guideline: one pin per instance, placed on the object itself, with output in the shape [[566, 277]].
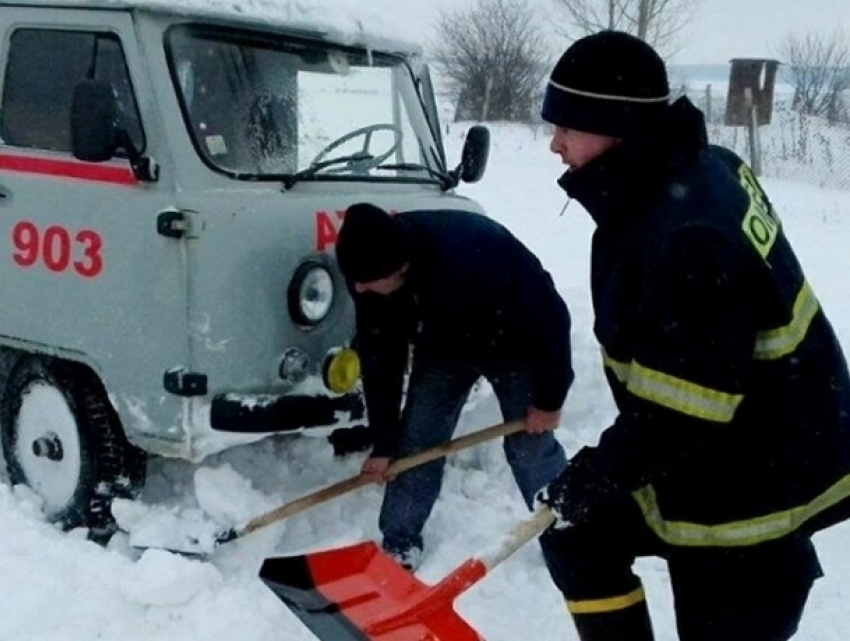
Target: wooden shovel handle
[[455, 445], [398, 466], [521, 534]]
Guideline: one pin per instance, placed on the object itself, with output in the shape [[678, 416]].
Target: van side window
[[43, 68]]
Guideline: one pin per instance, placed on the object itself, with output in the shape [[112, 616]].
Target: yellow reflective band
[[619, 369], [779, 342], [675, 393], [597, 606], [737, 533]]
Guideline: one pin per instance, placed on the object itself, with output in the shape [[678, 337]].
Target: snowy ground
[[58, 586]]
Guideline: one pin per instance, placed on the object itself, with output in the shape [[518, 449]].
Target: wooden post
[[486, 105], [755, 151]]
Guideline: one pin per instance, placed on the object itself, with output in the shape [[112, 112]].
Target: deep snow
[[58, 585]]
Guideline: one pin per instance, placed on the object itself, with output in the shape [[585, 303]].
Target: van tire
[[74, 456]]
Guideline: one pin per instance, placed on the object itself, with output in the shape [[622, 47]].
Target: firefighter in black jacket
[[731, 446], [472, 301]]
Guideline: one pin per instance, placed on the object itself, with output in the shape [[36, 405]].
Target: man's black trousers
[[752, 593]]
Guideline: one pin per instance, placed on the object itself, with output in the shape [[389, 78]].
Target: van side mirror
[[476, 151], [94, 121], [95, 131]]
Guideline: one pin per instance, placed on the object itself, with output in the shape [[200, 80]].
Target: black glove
[[577, 492], [548, 497]]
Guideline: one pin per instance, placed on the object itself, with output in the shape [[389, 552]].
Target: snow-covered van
[[173, 174]]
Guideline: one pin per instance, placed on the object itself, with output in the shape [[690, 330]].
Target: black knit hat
[[609, 83], [371, 244]]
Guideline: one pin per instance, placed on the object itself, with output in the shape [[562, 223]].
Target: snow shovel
[[204, 545], [358, 593]]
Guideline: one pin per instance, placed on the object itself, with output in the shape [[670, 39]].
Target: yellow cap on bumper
[[341, 370]]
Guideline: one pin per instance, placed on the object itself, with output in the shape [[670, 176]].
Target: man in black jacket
[[471, 300], [731, 445]]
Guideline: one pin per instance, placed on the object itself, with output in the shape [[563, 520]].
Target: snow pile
[[225, 499], [162, 579]]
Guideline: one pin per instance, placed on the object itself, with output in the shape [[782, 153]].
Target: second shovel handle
[[396, 467], [455, 445]]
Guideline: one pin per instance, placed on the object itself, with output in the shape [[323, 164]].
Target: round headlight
[[311, 294]]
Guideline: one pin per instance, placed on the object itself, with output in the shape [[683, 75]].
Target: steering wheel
[[362, 160]]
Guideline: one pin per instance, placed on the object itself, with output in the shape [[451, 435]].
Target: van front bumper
[[256, 413]]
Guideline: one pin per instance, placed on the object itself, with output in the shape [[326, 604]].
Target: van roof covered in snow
[[333, 20]]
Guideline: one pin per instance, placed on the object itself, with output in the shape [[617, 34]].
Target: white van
[[172, 179]]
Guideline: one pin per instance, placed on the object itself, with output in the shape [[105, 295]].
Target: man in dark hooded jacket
[[731, 445], [472, 301]]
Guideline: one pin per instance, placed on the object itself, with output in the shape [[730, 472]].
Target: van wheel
[[62, 438]]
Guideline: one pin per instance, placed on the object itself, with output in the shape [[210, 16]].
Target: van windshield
[[262, 106]]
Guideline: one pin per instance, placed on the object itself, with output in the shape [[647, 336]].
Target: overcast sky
[[721, 30], [725, 29]]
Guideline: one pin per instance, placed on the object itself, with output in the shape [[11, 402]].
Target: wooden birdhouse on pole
[[750, 99]]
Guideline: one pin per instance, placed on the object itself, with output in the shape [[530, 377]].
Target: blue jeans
[[436, 394]]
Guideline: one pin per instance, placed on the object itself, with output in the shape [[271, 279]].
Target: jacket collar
[[627, 177]]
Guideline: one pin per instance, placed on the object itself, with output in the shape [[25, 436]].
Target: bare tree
[[493, 57], [820, 71], [659, 22]]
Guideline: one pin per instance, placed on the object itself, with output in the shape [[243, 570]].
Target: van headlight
[[311, 294]]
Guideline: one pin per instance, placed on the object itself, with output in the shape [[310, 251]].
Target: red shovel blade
[[359, 593]]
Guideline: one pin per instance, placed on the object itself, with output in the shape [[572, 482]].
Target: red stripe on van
[[68, 169]]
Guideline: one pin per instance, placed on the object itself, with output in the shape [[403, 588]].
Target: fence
[[793, 146]]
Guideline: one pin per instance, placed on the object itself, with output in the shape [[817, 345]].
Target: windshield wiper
[[308, 172], [448, 180]]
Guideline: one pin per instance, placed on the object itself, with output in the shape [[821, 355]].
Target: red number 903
[[57, 249]]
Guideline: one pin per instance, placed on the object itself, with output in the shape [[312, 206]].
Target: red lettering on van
[[326, 229], [57, 249]]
